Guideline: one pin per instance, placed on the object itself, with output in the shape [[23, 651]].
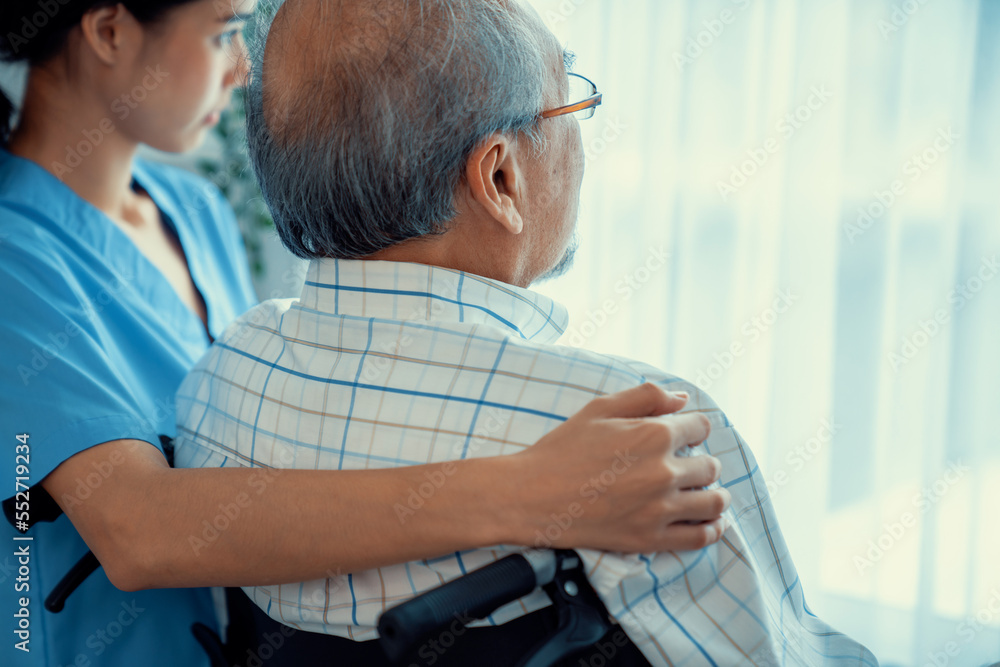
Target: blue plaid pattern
[[384, 364]]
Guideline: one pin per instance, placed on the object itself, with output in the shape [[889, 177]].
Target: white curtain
[[824, 177]]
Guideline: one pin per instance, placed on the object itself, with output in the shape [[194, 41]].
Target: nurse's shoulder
[[35, 256]]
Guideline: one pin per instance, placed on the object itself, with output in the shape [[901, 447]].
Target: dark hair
[[34, 31]]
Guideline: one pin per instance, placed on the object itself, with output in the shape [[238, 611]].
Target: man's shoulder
[[222, 378], [613, 373], [260, 323], [250, 338]]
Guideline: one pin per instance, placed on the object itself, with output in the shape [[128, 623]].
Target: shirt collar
[[419, 292]]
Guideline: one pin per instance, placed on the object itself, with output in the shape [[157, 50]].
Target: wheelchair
[[428, 629]]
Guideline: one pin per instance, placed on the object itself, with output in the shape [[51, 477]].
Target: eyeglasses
[[588, 99]]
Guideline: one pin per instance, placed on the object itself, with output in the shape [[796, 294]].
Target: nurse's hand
[[608, 479]]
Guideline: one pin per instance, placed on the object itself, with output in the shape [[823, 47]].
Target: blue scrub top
[[95, 342]]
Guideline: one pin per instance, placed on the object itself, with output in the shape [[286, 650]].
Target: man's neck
[[450, 252]]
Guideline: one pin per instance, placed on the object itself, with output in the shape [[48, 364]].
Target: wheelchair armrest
[[475, 595]]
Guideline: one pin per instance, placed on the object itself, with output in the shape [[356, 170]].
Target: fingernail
[[681, 394]]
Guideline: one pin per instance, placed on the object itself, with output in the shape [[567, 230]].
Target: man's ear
[[494, 179], [108, 30]]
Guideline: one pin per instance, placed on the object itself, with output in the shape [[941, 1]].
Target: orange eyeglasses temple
[[592, 101]]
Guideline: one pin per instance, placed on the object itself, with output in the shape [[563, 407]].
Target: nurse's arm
[[152, 526]]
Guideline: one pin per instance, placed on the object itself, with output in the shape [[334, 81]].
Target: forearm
[[152, 527], [242, 527], [229, 528]]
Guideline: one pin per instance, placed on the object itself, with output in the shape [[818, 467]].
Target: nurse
[[115, 276]]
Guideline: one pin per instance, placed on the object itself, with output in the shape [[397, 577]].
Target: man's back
[[421, 364]]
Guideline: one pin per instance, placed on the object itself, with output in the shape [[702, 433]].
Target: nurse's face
[[184, 72]]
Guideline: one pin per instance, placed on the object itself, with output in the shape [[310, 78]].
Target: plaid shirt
[[382, 364]]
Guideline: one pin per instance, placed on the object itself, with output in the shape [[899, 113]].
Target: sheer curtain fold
[[823, 177]]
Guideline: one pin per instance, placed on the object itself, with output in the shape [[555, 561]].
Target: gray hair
[[371, 150]]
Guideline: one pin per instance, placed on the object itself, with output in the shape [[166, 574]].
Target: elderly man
[[426, 156]]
